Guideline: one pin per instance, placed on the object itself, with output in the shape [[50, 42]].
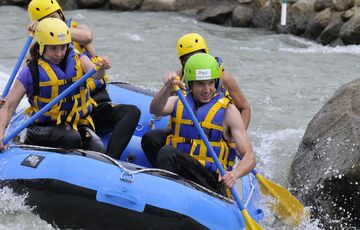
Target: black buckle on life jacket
[[207, 131], [188, 141], [68, 99], [69, 81]]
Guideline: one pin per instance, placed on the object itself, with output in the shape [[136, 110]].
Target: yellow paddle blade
[[250, 222], [287, 207]]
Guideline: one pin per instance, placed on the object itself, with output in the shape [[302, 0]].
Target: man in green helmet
[[185, 153]]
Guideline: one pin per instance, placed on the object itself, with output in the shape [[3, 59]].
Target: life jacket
[[92, 83], [50, 81], [187, 139]]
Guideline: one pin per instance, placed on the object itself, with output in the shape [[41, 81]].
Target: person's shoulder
[[231, 107], [25, 71], [228, 79], [231, 110]]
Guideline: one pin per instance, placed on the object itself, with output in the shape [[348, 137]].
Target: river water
[[285, 78]]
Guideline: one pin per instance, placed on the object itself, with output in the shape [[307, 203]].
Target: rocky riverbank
[[329, 22]]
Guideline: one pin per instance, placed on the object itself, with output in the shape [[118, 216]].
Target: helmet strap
[[61, 15]]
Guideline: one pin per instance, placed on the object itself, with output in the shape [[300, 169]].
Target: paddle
[[287, 207], [48, 106], [250, 223], [17, 65]]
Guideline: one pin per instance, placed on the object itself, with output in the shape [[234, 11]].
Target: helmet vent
[[196, 41], [52, 34]]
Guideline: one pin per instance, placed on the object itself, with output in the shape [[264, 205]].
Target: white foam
[[312, 47], [272, 145], [15, 214], [4, 77], [133, 37]]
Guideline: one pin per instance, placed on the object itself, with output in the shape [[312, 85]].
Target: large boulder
[[331, 31], [325, 173], [265, 15], [125, 5], [298, 16], [158, 5], [13, 2], [218, 12], [350, 31], [318, 23], [320, 5], [90, 4], [68, 5], [242, 15]]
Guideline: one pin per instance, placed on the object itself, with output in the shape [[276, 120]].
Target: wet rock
[[158, 5], [242, 16], [341, 5], [299, 15], [346, 15], [68, 5], [125, 4], [217, 12], [325, 173], [350, 31], [265, 15], [190, 4], [90, 4], [245, 1], [317, 24], [14, 2], [330, 33], [320, 5]]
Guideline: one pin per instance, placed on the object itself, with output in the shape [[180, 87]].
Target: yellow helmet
[[38, 9], [190, 43], [52, 31]]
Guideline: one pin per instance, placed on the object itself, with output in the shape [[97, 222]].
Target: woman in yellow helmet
[[81, 35], [188, 45], [52, 67], [119, 119]]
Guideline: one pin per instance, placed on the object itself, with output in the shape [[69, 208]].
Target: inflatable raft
[[89, 190]]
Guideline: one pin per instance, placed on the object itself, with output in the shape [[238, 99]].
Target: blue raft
[[89, 190]]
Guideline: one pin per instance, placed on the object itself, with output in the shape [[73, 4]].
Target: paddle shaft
[[17, 65], [48, 106], [207, 143]]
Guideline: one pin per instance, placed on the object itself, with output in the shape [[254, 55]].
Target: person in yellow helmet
[[119, 119], [186, 46], [52, 67], [81, 35], [192, 43]]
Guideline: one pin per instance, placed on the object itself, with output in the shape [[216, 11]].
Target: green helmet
[[200, 67]]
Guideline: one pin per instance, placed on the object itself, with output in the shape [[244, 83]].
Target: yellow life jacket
[[52, 81], [187, 139], [92, 83]]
